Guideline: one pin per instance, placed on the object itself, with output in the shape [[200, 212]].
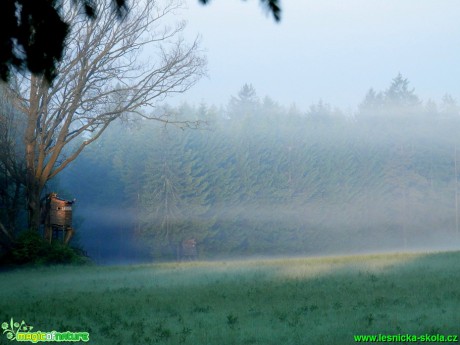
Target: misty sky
[[333, 50]]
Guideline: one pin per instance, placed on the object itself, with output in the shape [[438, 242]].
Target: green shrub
[[31, 249]]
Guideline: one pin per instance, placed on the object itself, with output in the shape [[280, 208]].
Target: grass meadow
[[266, 301]]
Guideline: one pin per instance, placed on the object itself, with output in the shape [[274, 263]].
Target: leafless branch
[[103, 77]]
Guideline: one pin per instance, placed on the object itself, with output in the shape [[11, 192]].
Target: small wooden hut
[[188, 249], [57, 218]]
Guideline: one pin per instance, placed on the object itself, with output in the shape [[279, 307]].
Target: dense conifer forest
[[260, 179]]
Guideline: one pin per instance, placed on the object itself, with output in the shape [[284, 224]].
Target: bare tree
[[101, 78]]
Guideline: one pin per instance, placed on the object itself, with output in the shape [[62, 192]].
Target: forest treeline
[[261, 179]]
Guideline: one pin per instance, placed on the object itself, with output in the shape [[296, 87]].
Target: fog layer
[[260, 179]]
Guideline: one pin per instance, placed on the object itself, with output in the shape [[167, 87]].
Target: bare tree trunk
[[33, 192], [100, 79], [33, 189]]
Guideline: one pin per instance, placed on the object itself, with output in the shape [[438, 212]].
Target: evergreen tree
[[399, 94], [245, 104]]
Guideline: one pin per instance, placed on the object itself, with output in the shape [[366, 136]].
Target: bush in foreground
[[31, 249]]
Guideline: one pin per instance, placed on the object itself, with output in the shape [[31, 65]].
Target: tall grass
[[279, 301]]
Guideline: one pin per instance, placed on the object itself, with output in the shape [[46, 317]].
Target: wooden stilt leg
[[48, 233], [68, 235]]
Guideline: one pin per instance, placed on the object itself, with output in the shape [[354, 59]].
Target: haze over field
[[260, 179], [333, 131], [290, 301], [305, 192]]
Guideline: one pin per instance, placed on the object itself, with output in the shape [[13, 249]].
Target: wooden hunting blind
[[60, 211], [188, 249], [57, 216]]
